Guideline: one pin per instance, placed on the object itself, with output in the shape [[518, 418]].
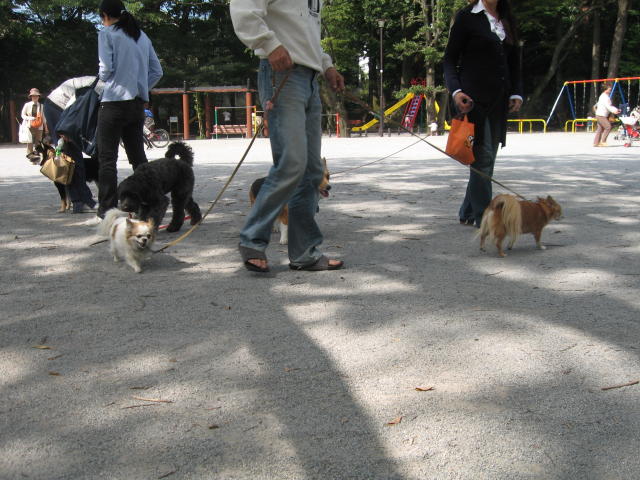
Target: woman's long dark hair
[[126, 21], [508, 20]]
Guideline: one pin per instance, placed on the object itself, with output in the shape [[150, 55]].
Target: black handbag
[[79, 121]]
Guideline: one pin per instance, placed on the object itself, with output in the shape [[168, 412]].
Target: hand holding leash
[[280, 60], [464, 103], [334, 79]]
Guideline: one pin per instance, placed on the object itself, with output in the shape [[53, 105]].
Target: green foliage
[[429, 91], [44, 42]]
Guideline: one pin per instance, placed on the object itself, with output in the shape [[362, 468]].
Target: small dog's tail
[[511, 214], [104, 227], [182, 151], [485, 225]]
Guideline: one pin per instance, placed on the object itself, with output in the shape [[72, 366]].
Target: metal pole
[[381, 129]]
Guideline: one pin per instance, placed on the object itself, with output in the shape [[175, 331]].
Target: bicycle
[[158, 138]]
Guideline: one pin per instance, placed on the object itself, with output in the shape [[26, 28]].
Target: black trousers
[[117, 120], [79, 191]]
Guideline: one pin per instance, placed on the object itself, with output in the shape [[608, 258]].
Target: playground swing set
[[581, 110]]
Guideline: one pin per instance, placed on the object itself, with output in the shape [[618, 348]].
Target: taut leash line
[[356, 100], [375, 161]]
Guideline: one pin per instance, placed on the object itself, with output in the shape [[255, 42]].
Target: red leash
[[162, 227]]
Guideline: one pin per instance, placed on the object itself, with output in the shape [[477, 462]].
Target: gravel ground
[[306, 375]]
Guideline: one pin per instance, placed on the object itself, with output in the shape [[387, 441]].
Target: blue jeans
[[479, 191], [295, 134]]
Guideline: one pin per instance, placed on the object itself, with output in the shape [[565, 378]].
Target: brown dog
[[282, 221], [508, 216]]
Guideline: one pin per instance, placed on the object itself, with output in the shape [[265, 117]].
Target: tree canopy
[[44, 42]]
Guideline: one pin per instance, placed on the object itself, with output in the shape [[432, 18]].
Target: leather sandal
[[252, 254], [321, 265]]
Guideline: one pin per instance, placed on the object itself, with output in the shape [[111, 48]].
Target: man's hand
[[280, 60], [514, 105], [334, 79], [464, 103]]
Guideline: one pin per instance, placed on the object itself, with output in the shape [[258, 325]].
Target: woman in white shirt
[[603, 108]]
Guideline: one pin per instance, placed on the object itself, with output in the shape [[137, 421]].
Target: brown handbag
[[460, 141], [59, 169]]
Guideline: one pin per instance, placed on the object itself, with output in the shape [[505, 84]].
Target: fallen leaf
[[56, 357], [155, 400], [287, 369], [55, 374], [42, 347], [424, 389], [213, 427], [141, 405], [395, 421], [143, 387], [167, 474], [635, 382]]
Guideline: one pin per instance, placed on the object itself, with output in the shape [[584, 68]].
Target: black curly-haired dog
[[144, 192], [44, 151]]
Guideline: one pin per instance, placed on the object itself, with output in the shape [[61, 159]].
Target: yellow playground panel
[[408, 97], [387, 112], [530, 121]]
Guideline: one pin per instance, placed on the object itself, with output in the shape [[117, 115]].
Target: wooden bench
[[230, 130]]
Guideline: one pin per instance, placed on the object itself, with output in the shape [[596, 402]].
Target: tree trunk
[[428, 11], [595, 57], [332, 106], [618, 37], [373, 77], [407, 60]]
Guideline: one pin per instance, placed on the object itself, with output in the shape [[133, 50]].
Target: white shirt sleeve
[[248, 21]]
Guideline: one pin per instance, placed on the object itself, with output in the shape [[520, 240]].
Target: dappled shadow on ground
[[297, 375]]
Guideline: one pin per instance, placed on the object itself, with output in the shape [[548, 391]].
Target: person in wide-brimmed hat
[[31, 111]]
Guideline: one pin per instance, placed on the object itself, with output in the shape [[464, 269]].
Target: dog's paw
[[196, 218], [541, 247]]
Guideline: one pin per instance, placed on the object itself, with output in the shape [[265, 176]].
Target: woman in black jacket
[[482, 73]]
